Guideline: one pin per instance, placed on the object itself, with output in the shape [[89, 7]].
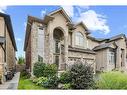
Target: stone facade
[[8, 47], [63, 42], [10, 52]]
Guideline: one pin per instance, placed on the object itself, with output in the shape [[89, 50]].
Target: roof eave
[[9, 27], [63, 12]]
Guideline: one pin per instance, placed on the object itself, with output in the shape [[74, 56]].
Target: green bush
[[65, 77], [34, 80], [38, 69], [21, 60], [82, 76], [25, 75], [66, 86], [51, 83], [40, 80], [112, 80], [41, 69], [50, 70]]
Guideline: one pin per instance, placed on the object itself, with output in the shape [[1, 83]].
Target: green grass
[[112, 80], [27, 84]]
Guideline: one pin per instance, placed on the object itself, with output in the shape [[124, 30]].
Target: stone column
[[73, 38], [124, 59], [66, 50], [51, 47], [50, 31], [118, 58]]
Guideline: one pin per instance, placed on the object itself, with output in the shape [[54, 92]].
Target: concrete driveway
[[11, 84]]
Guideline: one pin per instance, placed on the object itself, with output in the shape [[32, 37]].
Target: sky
[[102, 21]]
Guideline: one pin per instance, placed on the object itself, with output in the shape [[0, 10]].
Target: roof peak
[[63, 11]]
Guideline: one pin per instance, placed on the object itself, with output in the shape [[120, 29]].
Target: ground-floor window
[[40, 59], [112, 57]]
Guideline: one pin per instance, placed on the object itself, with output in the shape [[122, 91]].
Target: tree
[[21, 60]]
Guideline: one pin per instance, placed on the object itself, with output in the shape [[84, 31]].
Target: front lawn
[[112, 80], [27, 84], [80, 76]]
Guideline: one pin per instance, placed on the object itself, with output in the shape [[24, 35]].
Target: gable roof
[[117, 37], [96, 39], [2, 40], [9, 27], [84, 26], [62, 11], [103, 46], [32, 19], [120, 36]]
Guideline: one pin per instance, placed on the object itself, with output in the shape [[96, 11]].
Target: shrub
[[82, 76], [25, 74], [112, 80], [34, 80], [41, 69], [65, 77], [21, 60], [51, 83], [38, 69], [66, 86], [50, 70], [40, 80]]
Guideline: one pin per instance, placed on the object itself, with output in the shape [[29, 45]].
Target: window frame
[[79, 39], [111, 57]]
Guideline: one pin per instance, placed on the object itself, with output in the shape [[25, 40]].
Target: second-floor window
[[79, 39], [57, 46]]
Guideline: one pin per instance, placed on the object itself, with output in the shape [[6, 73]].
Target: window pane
[[79, 39], [111, 57]]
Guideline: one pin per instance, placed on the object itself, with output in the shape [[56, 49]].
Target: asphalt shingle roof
[[107, 44], [116, 37], [102, 46]]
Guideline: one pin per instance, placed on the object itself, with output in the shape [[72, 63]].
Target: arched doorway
[[58, 37]]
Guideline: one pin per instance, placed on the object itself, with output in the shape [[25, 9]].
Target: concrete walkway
[[11, 84]]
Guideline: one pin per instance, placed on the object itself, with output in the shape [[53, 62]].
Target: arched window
[[79, 39]]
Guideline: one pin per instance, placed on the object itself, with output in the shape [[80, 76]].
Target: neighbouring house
[[56, 39], [7, 45]]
